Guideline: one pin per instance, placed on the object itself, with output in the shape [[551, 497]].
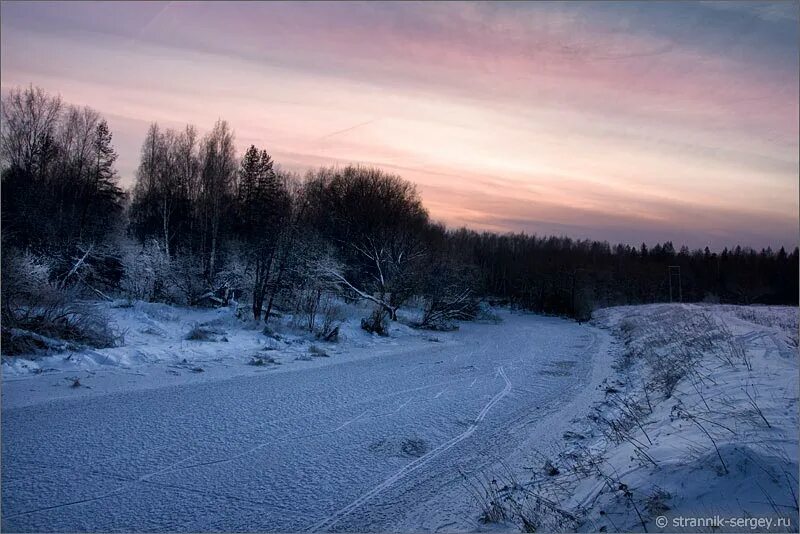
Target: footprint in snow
[[409, 447]]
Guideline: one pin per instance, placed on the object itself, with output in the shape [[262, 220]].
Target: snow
[[377, 436], [155, 352], [659, 410], [698, 422], [743, 392]]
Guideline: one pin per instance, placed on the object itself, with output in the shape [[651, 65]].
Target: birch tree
[[217, 180]]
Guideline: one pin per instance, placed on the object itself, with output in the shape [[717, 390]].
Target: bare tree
[[377, 222], [167, 179], [30, 118], [58, 178], [217, 181]]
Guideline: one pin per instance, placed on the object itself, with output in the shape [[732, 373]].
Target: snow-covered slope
[[154, 351], [697, 429]]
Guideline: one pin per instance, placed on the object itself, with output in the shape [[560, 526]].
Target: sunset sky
[[625, 122]]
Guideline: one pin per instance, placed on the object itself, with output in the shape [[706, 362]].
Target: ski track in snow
[[416, 464], [352, 445]]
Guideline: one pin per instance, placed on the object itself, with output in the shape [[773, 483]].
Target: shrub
[[152, 276], [185, 280], [145, 272], [376, 323], [332, 316], [306, 306], [486, 314], [205, 333], [39, 314], [44, 326], [259, 361], [314, 350], [441, 311]]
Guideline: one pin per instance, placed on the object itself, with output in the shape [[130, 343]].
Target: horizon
[[618, 122]]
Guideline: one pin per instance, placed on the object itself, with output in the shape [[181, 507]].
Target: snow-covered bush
[[306, 307], [318, 311], [205, 332], [38, 313], [146, 271], [152, 276], [449, 296], [332, 317], [185, 276], [486, 314], [377, 322], [318, 351], [23, 274], [443, 309]]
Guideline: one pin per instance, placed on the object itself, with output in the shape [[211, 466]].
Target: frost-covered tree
[[376, 222]]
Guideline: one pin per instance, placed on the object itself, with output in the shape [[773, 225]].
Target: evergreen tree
[[106, 195], [263, 211]]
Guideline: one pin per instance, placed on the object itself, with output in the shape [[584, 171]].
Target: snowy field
[[532, 422], [379, 435]]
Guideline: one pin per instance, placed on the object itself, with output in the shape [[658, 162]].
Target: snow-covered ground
[[697, 430], [155, 352], [382, 434], [680, 411]]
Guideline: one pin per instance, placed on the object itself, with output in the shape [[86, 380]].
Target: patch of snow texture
[[536, 422], [698, 422], [377, 436]]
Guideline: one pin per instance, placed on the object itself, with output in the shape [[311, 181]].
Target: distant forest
[[204, 225]]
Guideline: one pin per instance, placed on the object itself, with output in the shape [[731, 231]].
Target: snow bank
[[155, 350], [698, 430]]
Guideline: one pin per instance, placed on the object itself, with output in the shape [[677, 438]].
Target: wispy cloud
[[345, 130], [604, 119]]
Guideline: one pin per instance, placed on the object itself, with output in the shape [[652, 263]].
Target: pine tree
[[249, 178], [101, 200], [263, 208], [268, 186], [105, 175]]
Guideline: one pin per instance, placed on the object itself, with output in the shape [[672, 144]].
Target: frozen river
[[381, 443]]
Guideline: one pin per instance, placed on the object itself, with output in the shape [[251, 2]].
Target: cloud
[[781, 11], [590, 117]]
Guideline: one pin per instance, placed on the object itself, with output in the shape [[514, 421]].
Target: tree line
[[204, 225]]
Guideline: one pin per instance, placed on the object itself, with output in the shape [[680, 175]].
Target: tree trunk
[[258, 291], [165, 221], [258, 302], [275, 285], [273, 292], [212, 257]]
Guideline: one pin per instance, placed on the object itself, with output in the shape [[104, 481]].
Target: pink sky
[[620, 121]]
